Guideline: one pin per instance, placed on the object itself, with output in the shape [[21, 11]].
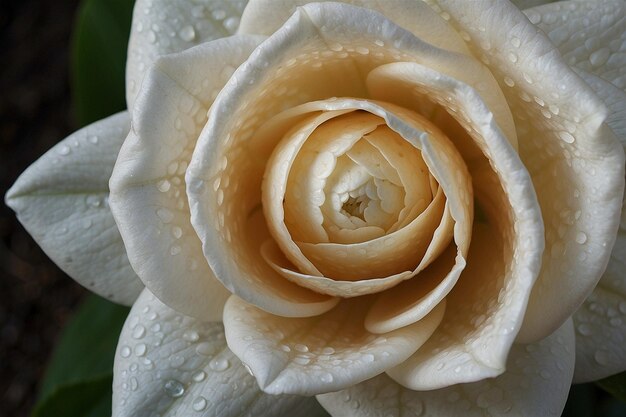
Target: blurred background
[[42, 100], [36, 298]]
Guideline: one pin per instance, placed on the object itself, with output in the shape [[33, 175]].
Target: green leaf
[[615, 385], [87, 346], [90, 398], [99, 58]]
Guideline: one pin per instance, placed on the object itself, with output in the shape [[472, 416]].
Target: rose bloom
[[394, 208]]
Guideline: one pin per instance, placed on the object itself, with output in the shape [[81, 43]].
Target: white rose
[[398, 208]]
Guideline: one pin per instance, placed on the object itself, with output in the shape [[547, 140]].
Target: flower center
[[355, 206]]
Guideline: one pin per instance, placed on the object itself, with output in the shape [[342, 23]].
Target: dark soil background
[[36, 298]]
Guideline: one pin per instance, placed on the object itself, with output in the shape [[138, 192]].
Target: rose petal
[[600, 321], [503, 190], [148, 196], [589, 35], [459, 196], [172, 365], [62, 200], [264, 17], [574, 160], [162, 27], [536, 383], [259, 90], [309, 356]]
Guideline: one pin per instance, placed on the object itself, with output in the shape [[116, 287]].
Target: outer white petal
[[168, 364], [314, 355], [589, 34], [536, 383], [162, 27], [148, 196], [601, 321], [264, 17], [62, 200], [575, 162]]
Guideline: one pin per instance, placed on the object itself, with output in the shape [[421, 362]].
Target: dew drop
[[219, 364], [139, 332], [93, 139], [140, 349], [93, 201], [508, 81], [515, 41], [175, 250], [187, 33], [581, 238], [566, 137], [151, 36], [174, 388], [199, 376], [164, 186], [601, 357], [218, 14], [599, 57], [199, 403], [231, 24], [191, 336], [327, 378], [301, 348], [512, 57], [125, 351], [177, 232], [64, 150]]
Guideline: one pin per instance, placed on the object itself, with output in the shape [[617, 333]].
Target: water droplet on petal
[[139, 332], [187, 33], [327, 378], [125, 351], [199, 403], [199, 376], [174, 388], [219, 364]]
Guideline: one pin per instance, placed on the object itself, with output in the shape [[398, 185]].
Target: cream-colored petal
[[590, 35], [485, 310], [169, 364], [457, 194], [162, 27], [510, 201], [148, 196], [309, 356], [264, 17], [337, 288], [574, 160], [600, 322], [536, 383], [294, 196], [280, 75], [62, 200]]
